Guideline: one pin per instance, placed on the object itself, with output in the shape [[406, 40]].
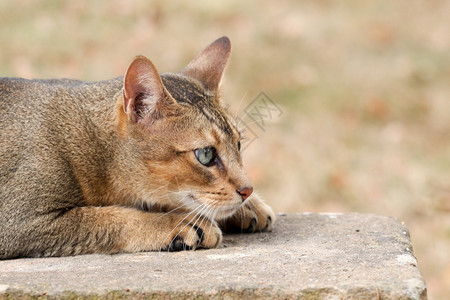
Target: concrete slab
[[308, 256]]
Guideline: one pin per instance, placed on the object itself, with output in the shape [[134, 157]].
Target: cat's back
[[24, 106], [12, 92], [20, 102], [39, 118], [24, 100], [21, 98]]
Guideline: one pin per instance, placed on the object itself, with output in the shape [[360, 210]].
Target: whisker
[[202, 216], [171, 211], [243, 217], [175, 227], [155, 190], [240, 103], [212, 221], [248, 123], [197, 217]]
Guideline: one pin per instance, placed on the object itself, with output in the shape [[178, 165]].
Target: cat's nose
[[245, 192]]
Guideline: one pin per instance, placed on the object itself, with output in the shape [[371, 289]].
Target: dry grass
[[364, 87]]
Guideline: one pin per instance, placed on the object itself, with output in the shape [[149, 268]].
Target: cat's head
[[186, 142]]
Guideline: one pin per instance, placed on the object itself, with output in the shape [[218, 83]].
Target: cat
[[144, 162]]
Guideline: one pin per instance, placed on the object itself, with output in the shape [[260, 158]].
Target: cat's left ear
[[208, 66], [144, 95]]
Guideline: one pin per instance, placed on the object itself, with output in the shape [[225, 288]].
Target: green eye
[[206, 156]]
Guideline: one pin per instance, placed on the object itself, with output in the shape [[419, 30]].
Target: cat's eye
[[206, 156], [239, 145]]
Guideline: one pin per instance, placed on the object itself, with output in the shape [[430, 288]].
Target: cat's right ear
[[144, 95], [209, 65]]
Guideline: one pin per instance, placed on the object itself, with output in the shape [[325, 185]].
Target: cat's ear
[[208, 66], [144, 95]]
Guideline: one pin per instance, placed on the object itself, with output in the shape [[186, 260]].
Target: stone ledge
[[308, 256]]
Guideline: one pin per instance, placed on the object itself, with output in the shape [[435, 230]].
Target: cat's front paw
[[253, 216], [189, 234]]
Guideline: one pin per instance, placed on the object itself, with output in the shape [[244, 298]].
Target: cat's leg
[[253, 216], [85, 230], [169, 232]]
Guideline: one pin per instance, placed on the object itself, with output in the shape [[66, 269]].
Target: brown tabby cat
[[140, 163]]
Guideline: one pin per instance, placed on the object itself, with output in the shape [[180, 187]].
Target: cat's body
[[80, 162]]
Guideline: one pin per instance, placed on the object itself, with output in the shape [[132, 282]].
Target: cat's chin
[[225, 213], [191, 203]]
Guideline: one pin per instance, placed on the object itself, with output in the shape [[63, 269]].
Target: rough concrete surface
[[307, 256]]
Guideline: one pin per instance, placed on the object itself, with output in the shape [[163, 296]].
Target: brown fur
[[107, 167]]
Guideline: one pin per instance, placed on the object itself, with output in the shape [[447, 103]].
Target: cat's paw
[[189, 234], [253, 216]]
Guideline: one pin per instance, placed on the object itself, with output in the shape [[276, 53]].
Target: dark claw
[[178, 244], [269, 222], [252, 226], [200, 234]]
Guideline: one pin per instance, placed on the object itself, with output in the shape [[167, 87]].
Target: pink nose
[[245, 192]]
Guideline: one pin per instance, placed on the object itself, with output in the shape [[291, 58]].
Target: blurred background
[[363, 87]]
